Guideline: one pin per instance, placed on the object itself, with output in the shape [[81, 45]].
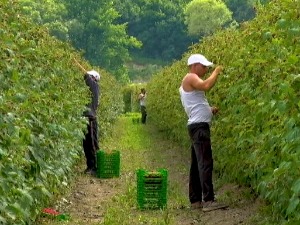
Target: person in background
[[142, 99], [199, 112]]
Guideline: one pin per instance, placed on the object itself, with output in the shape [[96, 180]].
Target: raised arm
[[80, 66], [207, 84]]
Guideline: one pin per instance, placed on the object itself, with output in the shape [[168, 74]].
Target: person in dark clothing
[[90, 142], [142, 98]]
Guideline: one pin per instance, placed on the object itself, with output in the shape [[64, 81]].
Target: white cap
[[94, 74], [198, 58]]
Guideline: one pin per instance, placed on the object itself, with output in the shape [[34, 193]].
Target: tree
[[242, 10], [91, 26], [158, 24], [205, 16]]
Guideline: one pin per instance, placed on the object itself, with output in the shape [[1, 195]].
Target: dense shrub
[[256, 135], [42, 98], [130, 97]]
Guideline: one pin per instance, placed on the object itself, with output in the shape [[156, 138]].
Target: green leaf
[[2, 153], [282, 23], [15, 75], [296, 187], [293, 203], [293, 59], [14, 211], [294, 31], [26, 198], [46, 192], [268, 35], [282, 106]]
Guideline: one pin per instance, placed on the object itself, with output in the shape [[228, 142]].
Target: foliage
[[139, 73], [255, 136], [41, 125], [205, 16], [159, 25], [94, 29], [242, 10], [109, 32], [50, 13], [130, 97], [91, 27]]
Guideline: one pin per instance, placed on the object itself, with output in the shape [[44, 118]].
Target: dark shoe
[[196, 205], [212, 205]]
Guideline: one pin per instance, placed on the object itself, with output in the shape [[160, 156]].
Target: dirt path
[[113, 201]]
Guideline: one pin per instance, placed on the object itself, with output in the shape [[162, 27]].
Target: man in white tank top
[[199, 112]]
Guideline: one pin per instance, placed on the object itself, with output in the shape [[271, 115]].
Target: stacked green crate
[[108, 164], [152, 189]]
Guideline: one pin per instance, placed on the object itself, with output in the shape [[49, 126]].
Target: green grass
[[142, 148]]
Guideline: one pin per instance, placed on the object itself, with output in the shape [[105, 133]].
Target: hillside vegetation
[[256, 135], [42, 98]]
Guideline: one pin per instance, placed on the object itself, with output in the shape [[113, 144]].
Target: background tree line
[[110, 33]]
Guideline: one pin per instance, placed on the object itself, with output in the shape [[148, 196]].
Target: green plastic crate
[[152, 189], [108, 164]]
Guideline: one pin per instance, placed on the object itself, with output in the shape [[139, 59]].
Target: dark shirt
[[94, 90]]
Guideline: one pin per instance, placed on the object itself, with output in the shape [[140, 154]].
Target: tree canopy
[[90, 26], [158, 24], [206, 16], [110, 33], [242, 10]]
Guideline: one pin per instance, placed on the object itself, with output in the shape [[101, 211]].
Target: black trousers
[[144, 113], [90, 143], [200, 183]]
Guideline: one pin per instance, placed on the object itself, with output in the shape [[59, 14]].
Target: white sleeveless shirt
[[196, 106], [143, 99]]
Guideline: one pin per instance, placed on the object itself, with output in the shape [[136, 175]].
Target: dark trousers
[[200, 183], [144, 113], [90, 143]]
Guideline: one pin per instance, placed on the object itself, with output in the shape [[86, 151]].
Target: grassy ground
[[143, 151], [114, 201]]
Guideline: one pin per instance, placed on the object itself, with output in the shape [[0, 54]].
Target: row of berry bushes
[[42, 97], [256, 134]]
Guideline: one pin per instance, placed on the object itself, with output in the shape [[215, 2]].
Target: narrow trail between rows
[[94, 201]]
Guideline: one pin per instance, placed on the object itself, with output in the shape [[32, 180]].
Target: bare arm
[[80, 66], [205, 85], [141, 96]]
